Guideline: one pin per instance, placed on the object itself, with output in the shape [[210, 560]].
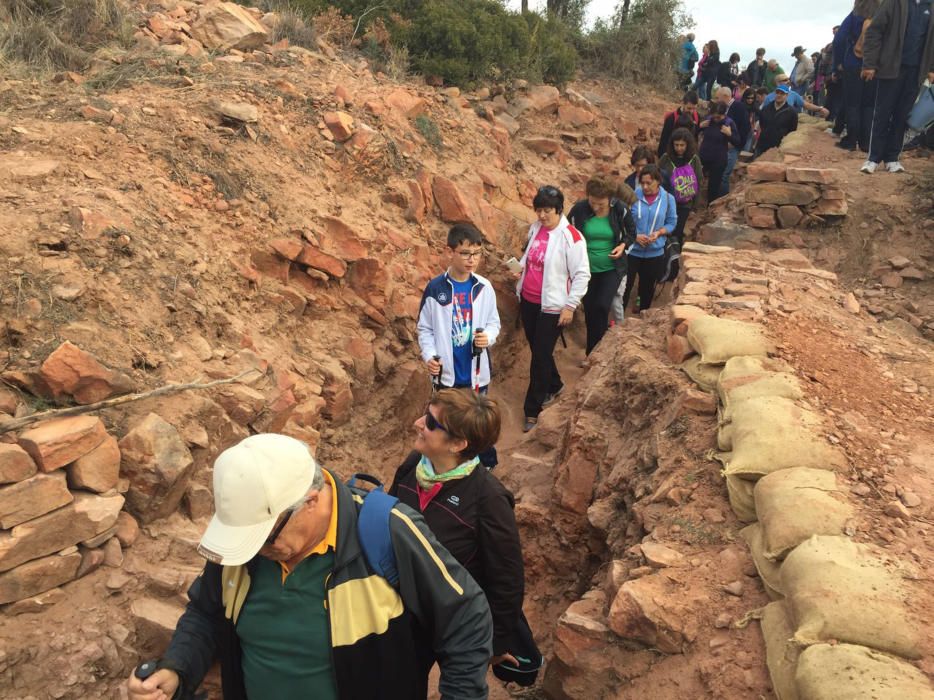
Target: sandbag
[[773, 433], [769, 570], [839, 590], [719, 339], [781, 654], [850, 672], [794, 504], [704, 375], [725, 437], [742, 501], [747, 377]]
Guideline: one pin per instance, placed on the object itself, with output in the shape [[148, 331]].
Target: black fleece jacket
[[473, 518], [621, 221]]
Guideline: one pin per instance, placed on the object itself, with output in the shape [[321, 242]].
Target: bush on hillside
[[643, 48], [552, 58], [60, 34]]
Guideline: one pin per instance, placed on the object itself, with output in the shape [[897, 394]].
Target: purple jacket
[[714, 145]]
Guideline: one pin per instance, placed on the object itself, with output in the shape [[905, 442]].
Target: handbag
[[922, 114]]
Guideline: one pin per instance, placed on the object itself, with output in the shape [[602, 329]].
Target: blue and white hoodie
[[436, 316], [662, 213]]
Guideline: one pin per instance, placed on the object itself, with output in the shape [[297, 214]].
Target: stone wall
[[783, 196], [61, 503]]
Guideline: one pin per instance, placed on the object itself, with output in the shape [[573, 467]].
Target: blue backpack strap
[[373, 527]]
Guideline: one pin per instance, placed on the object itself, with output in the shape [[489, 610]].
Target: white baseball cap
[[255, 481]]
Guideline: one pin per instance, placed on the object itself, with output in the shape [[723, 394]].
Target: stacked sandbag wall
[[841, 624]]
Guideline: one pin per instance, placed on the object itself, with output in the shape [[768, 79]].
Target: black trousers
[[894, 100], [650, 271], [832, 97], [488, 458], [541, 330], [715, 172], [859, 97], [684, 211], [597, 302]]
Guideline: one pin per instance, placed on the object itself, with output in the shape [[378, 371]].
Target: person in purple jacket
[[718, 133]]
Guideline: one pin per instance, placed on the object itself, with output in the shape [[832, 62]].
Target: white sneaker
[[896, 167], [869, 167]]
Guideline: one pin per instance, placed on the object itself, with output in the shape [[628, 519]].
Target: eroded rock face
[[159, 466]]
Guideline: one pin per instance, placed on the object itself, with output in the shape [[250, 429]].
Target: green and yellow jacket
[[374, 626]]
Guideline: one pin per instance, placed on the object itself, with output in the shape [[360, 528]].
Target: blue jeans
[[731, 157]]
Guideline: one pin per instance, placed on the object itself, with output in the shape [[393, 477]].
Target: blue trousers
[[731, 157], [894, 99]]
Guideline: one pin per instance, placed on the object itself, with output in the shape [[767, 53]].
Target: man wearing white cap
[[290, 604]]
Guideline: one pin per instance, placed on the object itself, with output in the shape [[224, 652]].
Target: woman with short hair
[[554, 278], [608, 228], [467, 509]]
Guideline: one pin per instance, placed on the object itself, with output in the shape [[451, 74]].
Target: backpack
[[373, 527], [684, 183], [858, 47]]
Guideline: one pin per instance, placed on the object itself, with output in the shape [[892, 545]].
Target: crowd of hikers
[[868, 82], [318, 588]]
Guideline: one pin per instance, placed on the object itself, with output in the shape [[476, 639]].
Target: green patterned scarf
[[426, 477]]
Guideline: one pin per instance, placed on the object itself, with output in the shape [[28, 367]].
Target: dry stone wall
[[784, 196]]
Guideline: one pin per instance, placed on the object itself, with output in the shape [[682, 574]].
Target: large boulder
[[85, 517], [70, 371], [226, 25], [33, 497], [158, 464], [452, 203], [342, 240], [544, 98], [646, 610], [55, 443]]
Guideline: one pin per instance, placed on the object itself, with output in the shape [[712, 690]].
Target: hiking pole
[[564, 341], [436, 378], [147, 668], [477, 353]]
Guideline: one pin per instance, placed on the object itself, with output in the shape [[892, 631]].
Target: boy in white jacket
[[554, 279], [458, 315]]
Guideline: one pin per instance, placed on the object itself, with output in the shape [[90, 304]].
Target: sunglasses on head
[[433, 423], [548, 191]]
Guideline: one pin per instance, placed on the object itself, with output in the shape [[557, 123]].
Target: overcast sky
[[744, 25]]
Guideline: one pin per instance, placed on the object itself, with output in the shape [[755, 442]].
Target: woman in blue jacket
[[859, 96], [656, 216]]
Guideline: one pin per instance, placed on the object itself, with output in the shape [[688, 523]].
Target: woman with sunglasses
[[752, 109], [554, 278], [467, 508]]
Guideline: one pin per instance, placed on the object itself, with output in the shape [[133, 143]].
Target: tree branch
[[167, 390]]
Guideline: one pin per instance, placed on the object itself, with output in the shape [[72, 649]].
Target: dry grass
[[48, 35]]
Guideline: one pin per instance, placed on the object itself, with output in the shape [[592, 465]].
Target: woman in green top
[[608, 228]]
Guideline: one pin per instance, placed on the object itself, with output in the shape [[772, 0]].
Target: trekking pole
[[477, 353], [147, 668], [436, 378]]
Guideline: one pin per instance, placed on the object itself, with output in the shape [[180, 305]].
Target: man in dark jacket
[[736, 111], [898, 51], [292, 607], [684, 116], [777, 120], [755, 71]]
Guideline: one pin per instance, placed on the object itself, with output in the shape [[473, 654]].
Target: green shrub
[[429, 131], [552, 57]]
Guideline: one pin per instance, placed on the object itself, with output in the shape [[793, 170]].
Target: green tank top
[[599, 236]]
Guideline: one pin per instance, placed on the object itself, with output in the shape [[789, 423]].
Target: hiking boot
[[869, 167], [529, 424], [913, 144], [551, 398], [896, 167], [845, 145]]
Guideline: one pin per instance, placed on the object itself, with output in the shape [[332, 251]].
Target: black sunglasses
[[548, 190], [433, 423], [278, 529]]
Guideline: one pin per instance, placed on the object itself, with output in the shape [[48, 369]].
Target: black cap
[[798, 49]]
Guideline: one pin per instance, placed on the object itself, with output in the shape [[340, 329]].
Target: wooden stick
[[168, 389]]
